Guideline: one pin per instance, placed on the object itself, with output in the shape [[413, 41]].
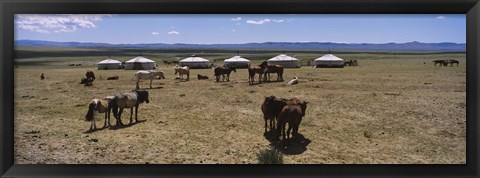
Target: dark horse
[[271, 108], [128, 100], [292, 113], [267, 69], [251, 74], [452, 61], [90, 75], [441, 62], [222, 71]]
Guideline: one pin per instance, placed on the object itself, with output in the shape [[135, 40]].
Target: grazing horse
[[150, 75], [128, 100], [292, 113], [452, 61], [222, 71], [441, 62], [98, 106], [183, 71], [201, 77], [271, 108], [267, 69], [251, 74]]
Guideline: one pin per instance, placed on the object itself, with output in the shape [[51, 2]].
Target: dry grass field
[[400, 111]]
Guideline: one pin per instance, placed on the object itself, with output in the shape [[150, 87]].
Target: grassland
[[392, 108]]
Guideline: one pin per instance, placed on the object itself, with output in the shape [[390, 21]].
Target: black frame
[[10, 7]]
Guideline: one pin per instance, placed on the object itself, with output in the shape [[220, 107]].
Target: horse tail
[[112, 105], [91, 108]]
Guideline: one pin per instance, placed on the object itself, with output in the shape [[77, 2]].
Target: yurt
[[109, 64], [140, 63], [195, 62], [237, 62], [285, 61], [329, 60]]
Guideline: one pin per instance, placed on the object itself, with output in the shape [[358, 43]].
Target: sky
[[241, 28]]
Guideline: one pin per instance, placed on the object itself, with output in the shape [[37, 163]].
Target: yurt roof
[[194, 59], [283, 57], [329, 57], [140, 59], [237, 59], [110, 61]]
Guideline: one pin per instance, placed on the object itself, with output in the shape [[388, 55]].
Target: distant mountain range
[[288, 46]]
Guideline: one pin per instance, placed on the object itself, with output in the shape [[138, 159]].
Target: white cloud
[[57, 23], [155, 33], [237, 19], [259, 22], [440, 17], [264, 21], [234, 30], [173, 33]]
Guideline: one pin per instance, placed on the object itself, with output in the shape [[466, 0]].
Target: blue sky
[[241, 28]]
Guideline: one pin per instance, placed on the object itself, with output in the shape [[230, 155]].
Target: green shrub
[[270, 156]]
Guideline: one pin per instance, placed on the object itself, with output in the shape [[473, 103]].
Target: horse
[[201, 77], [251, 74], [42, 77], [222, 71], [440, 61], [452, 61], [128, 100], [150, 75], [112, 78], [98, 106], [90, 75], [293, 81], [271, 108], [267, 69], [183, 71], [292, 113]]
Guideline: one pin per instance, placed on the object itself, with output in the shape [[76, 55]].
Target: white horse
[[150, 75], [183, 71]]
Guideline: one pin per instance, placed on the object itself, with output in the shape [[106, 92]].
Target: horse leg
[[138, 87], [105, 122], [136, 114], [119, 119], [151, 83], [265, 118], [131, 114]]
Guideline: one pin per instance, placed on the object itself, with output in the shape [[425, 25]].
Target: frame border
[[10, 7]]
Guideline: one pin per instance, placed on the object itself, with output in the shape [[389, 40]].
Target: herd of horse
[[445, 62]]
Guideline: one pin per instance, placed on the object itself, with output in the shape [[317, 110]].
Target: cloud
[[234, 30], [237, 19], [155, 33], [173, 33], [58, 23], [259, 22], [440, 17], [264, 21]]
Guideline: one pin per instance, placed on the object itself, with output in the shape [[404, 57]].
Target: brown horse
[[292, 113], [251, 74], [267, 69], [90, 75], [224, 71], [98, 106], [128, 100], [271, 108]]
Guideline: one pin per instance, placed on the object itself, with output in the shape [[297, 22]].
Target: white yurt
[[195, 62], [285, 61], [109, 64], [329, 60], [237, 62], [140, 63]]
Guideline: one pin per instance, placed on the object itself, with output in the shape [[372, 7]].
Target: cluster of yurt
[[329, 60], [195, 62], [284, 60], [237, 62], [109, 64], [140, 63]]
